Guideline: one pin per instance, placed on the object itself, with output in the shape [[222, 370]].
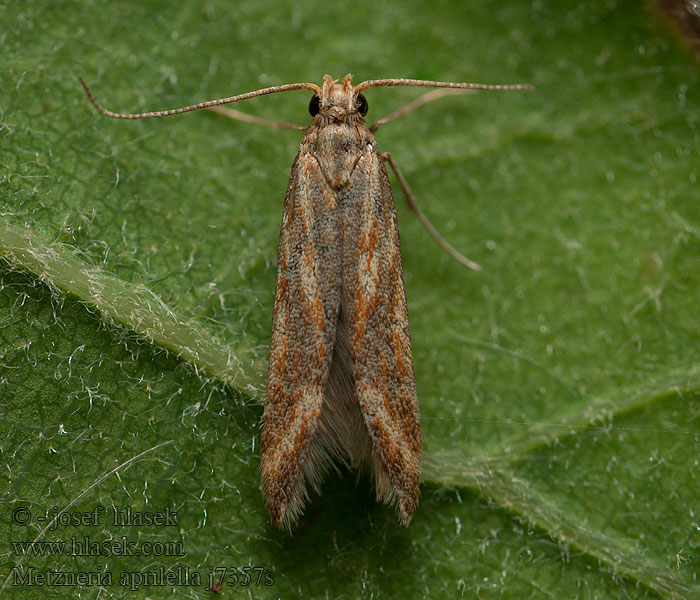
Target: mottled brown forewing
[[380, 344], [307, 298]]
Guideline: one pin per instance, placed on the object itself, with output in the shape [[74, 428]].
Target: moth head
[[337, 103]]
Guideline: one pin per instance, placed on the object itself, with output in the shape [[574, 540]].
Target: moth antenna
[[208, 104], [439, 84]]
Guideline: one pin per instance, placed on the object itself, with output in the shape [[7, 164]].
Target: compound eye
[[314, 105], [362, 106]]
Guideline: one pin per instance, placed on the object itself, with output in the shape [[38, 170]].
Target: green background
[[559, 387]]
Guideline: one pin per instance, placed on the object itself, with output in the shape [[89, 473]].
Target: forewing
[[307, 299], [380, 344]]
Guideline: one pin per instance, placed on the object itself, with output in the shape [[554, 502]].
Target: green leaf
[[559, 387]]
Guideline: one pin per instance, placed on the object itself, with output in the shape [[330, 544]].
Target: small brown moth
[[340, 384]]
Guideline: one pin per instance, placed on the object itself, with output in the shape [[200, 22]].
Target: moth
[[340, 386]]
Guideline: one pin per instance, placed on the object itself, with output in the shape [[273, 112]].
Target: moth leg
[[241, 116], [420, 101], [413, 205]]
